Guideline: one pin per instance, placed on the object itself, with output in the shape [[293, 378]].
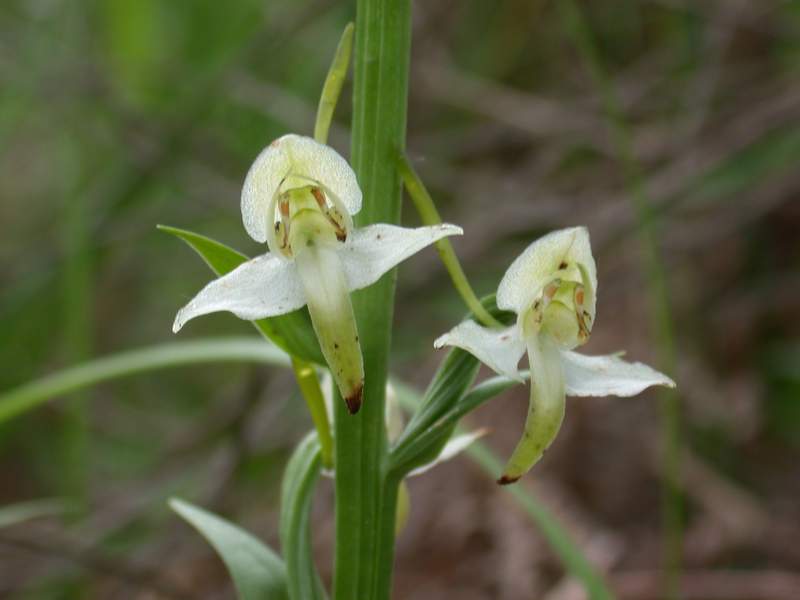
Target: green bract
[[299, 197], [552, 289]]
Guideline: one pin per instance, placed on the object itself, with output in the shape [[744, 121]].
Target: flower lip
[[294, 161]]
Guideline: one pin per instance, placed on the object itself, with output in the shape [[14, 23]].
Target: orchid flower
[[552, 289], [299, 197]]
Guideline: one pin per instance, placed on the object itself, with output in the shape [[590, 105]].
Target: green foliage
[[257, 572], [297, 492], [445, 401], [427, 443], [38, 391], [11, 514], [291, 332]]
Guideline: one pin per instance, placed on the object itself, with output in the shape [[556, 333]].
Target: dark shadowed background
[[117, 115]]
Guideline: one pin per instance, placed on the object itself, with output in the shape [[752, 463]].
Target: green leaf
[[30, 395], [297, 492], [442, 404], [257, 572], [292, 332], [428, 443], [32, 509]]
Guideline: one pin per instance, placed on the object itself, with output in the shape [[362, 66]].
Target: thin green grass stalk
[[365, 499], [308, 382], [570, 555], [333, 85], [76, 316], [672, 521], [430, 216]]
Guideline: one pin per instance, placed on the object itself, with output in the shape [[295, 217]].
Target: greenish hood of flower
[[559, 311]]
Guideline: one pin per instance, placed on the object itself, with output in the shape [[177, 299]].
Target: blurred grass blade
[[574, 561], [291, 332], [575, 26], [257, 572], [31, 395], [12, 514], [297, 491], [333, 85]]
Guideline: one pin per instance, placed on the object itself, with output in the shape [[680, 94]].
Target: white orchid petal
[[608, 375], [371, 251], [454, 446], [260, 189], [545, 408], [265, 286], [303, 158], [537, 265], [499, 349]]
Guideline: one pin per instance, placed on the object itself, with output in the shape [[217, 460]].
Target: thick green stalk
[[430, 216], [365, 501], [672, 520]]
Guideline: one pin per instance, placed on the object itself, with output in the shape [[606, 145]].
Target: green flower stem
[[430, 216], [333, 85], [672, 520], [308, 382], [365, 497]]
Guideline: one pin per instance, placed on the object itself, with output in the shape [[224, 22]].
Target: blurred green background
[[117, 115]]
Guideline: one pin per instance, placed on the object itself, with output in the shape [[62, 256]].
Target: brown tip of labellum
[[506, 480], [353, 401]]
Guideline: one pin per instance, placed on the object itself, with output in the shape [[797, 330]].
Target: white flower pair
[[299, 197]]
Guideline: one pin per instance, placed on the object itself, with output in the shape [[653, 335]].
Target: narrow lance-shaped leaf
[[257, 572], [297, 491], [452, 380], [11, 514]]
